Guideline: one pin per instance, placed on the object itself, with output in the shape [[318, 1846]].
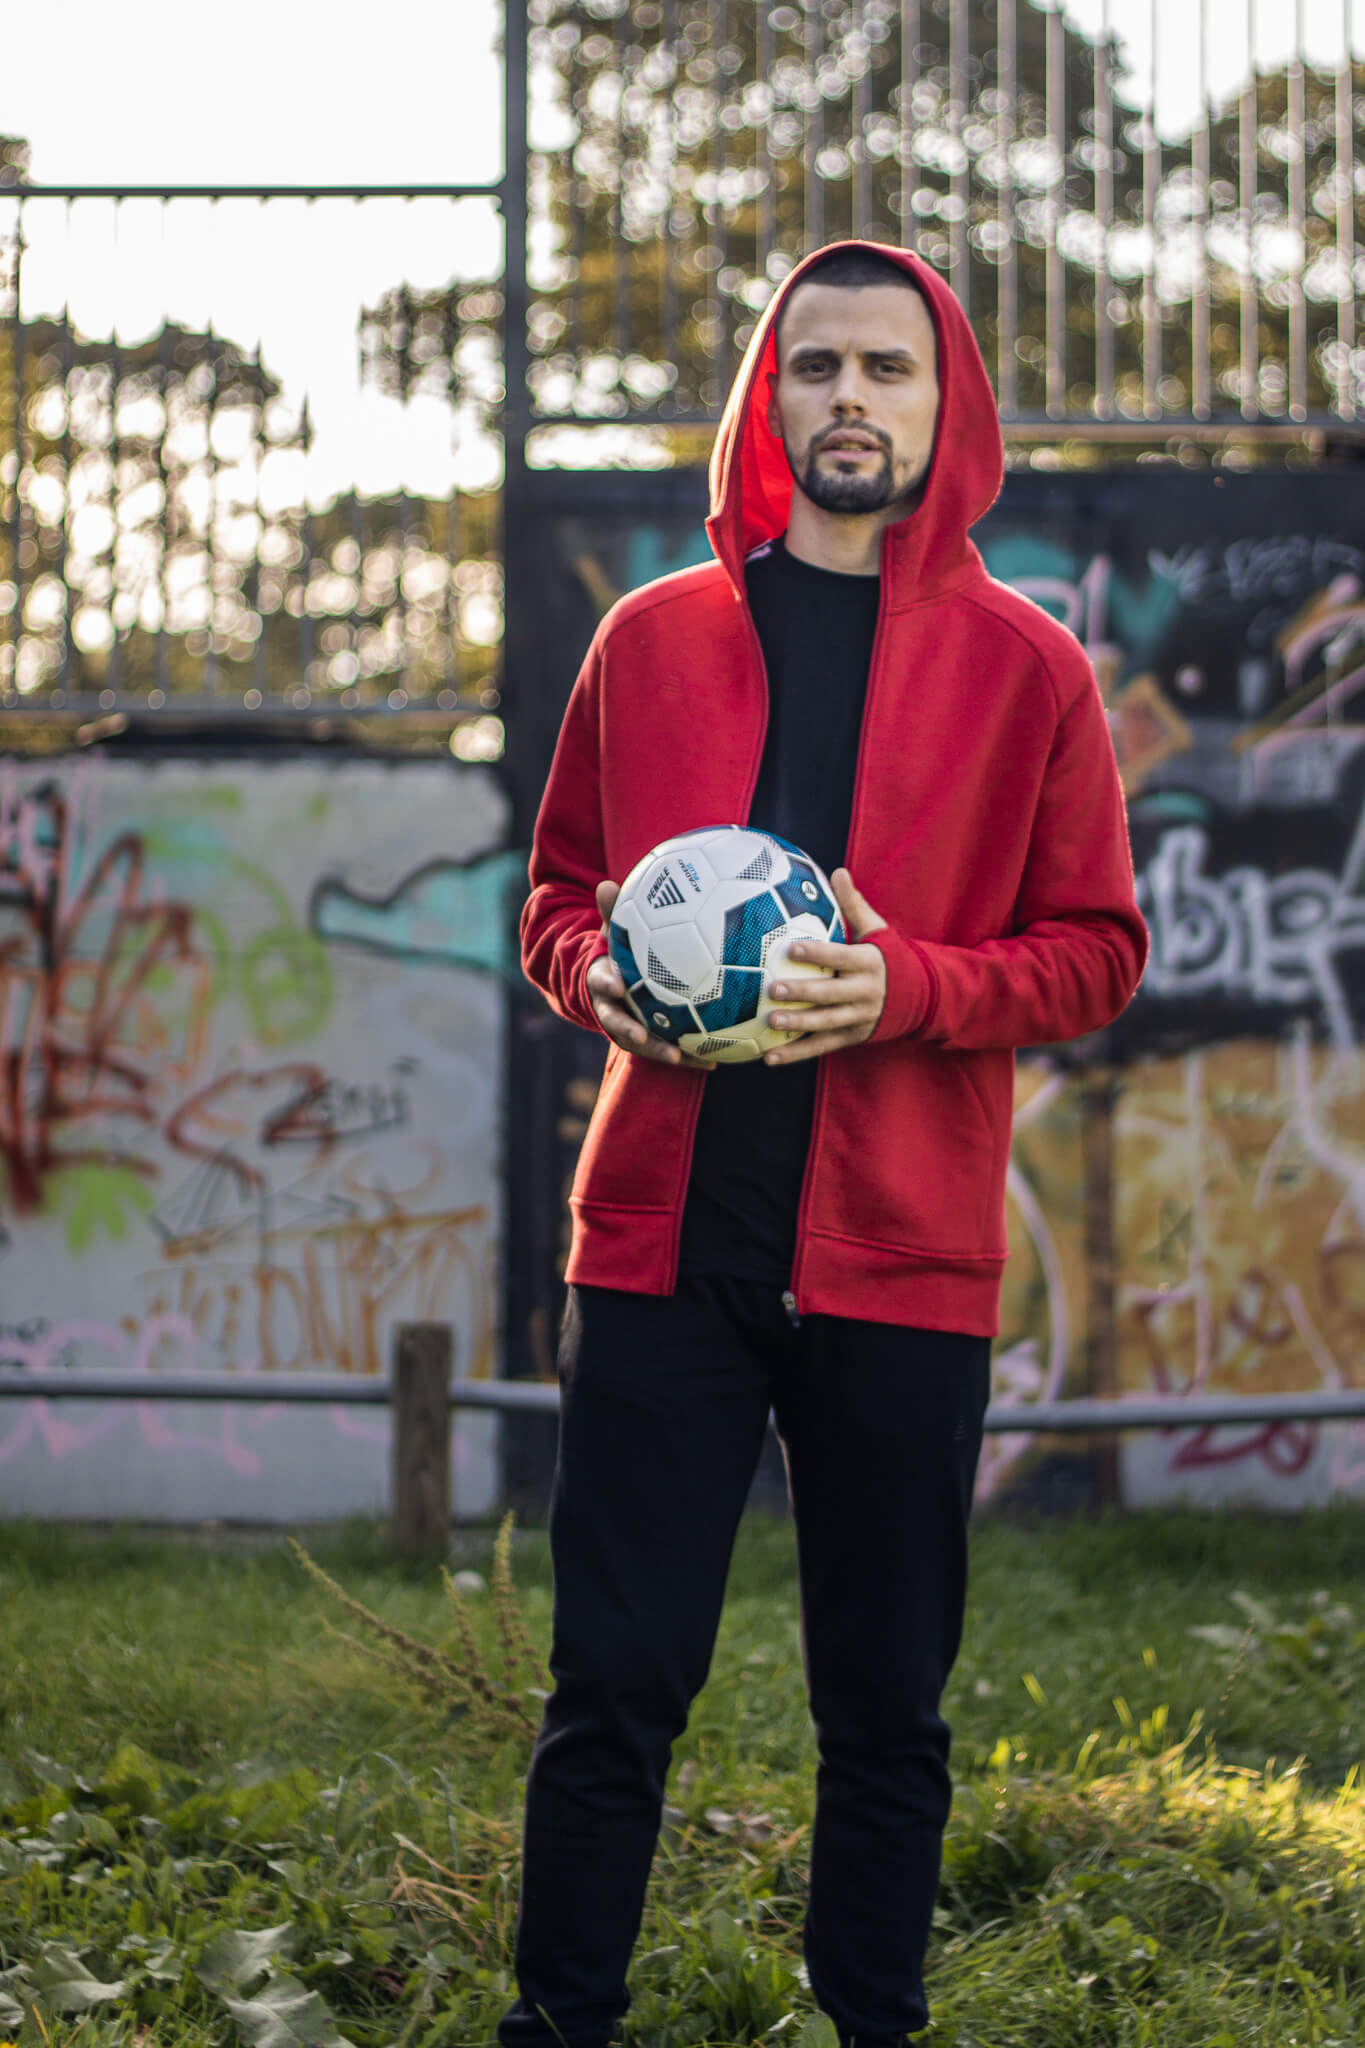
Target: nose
[[846, 396]]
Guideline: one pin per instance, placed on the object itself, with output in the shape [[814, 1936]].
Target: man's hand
[[607, 993], [847, 1003]]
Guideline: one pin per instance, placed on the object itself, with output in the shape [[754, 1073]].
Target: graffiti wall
[[251, 1020], [1226, 620], [1225, 616]]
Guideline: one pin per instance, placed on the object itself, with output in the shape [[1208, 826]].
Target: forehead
[[872, 316]]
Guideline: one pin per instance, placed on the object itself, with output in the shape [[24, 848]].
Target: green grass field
[[220, 1823]]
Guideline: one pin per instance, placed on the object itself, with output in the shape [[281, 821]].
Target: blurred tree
[[155, 535]]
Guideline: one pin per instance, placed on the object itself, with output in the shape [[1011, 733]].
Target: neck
[[847, 542]]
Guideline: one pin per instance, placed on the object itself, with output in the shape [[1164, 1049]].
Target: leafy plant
[[492, 1700]]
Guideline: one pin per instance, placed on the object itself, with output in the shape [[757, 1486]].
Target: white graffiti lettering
[[1271, 939], [1271, 565]]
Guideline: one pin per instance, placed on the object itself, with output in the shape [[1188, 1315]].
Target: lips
[[858, 443]]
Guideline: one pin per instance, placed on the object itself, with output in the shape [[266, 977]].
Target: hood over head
[[751, 481]]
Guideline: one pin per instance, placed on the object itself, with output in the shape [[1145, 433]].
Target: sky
[[280, 91]]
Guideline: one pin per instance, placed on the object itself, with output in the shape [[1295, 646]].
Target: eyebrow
[[828, 348]]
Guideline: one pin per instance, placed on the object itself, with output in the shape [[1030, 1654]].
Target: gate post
[[1099, 1094], [420, 1514]]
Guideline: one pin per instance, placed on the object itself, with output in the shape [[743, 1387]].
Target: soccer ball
[[701, 926]]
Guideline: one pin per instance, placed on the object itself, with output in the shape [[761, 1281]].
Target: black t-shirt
[[816, 629]]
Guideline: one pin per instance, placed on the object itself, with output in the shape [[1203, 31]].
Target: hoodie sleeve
[[561, 929], [1080, 944]]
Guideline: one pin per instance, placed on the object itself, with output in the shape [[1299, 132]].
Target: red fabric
[[988, 829]]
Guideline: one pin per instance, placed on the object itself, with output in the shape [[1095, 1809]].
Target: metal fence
[[1135, 243], [181, 529], [1151, 252]]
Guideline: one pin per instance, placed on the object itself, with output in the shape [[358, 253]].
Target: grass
[[221, 1823]]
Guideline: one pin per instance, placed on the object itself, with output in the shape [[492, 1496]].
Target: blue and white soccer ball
[[701, 926]]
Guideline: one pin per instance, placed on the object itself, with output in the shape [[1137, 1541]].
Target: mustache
[[877, 434]]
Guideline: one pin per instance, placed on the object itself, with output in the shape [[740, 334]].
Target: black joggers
[[665, 1404]]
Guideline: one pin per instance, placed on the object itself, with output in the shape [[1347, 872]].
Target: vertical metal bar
[[668, 270], [1248, 366], [306, 633], [1104, 213], [620, 278], [449, 611], [716, 24], [209, 676], [766, 223], [580, 199], [450, 678], [514, 207], [814, 188], [1054, 271], [862, 86], [357, 533], [1007, 277], [1344, 178], [163, 356], [404, 542], [909, 68], [1151, 184], [1199, 292], [16, 527], [519, 571], [252, 592], [67, 359], [1298, 308], [1099, 1095], [959, 180], [116, 376]]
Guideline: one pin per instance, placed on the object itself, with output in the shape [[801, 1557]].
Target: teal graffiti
[[1136, 618], [281, 973], [648, 554], [442, 911]]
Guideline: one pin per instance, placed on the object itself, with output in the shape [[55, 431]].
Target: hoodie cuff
[[910, 987], [596, 950]]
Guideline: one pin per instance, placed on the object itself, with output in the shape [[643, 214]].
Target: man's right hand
[[607, 994]]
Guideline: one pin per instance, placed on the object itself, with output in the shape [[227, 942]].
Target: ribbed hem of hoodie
[[633, 1250]]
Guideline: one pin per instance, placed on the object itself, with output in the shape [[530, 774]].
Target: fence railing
[[421, 1391]]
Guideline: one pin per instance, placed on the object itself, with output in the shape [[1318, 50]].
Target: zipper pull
[[793, 1313]]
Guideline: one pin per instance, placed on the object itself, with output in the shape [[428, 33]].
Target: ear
[[774, 408]]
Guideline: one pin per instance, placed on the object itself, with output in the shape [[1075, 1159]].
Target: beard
[[857, 491]]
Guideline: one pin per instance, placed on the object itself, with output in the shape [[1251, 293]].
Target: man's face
[[855, 398]]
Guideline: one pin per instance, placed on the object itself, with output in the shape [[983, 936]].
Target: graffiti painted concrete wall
[[1226, 620], [251, 1026]]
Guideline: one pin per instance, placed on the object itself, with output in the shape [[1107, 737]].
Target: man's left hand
[[847, 1002]]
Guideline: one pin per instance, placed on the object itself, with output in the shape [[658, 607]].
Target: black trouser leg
[[662, 1423], [882, 1428]]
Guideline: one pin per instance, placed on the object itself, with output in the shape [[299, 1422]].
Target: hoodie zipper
[[791, 1300], [762, 667]]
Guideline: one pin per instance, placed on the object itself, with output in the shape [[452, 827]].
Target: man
[[822, 1233]]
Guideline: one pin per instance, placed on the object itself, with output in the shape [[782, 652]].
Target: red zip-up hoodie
[[988, 829]]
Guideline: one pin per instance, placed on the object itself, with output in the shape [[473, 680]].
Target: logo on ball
[[809, 891], [663, 892]]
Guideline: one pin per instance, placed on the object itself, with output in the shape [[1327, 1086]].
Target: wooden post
[[1099, 1093], [420, 1512]]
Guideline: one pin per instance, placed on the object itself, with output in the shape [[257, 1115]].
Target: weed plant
[[226, 1818]]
